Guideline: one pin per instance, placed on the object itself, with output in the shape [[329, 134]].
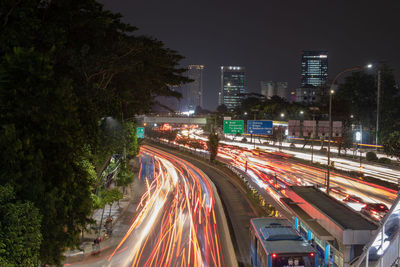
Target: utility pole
[[377, 107], [329, 141], [313, 134]]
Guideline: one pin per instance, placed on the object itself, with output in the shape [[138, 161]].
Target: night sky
[[267, 37]]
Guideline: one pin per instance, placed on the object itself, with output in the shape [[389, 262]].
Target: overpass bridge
[[176, 120], [383, 249]]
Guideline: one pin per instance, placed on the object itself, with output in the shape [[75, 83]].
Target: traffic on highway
[[176, 225]]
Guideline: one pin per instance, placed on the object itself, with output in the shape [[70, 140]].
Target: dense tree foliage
[[357, 96], [20, 236], [271, 109], [391, 144], [65, 66], [212, 145]]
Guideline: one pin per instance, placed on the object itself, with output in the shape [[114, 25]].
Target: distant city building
[[270, 88], [308, 94], [233, 86], [314, 68], [192, 93]]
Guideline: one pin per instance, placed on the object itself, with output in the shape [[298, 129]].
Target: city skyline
[[268, 37]]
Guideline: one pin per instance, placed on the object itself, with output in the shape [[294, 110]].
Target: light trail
[[378, 172], [176, 223], [276, 173]]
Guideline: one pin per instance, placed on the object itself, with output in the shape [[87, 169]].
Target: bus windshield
[[293, 261]]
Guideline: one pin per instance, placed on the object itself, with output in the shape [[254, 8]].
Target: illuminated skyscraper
[[314, 68], [193, 92], [233, 86]]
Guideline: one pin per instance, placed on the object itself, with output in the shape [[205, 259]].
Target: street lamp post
[[377, 107], [313, 109], [331, 91]]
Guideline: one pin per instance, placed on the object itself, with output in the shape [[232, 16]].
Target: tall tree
[[42, 147], [65, 65], [212, 145], [359, 94]]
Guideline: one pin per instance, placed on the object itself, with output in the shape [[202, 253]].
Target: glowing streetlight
[[330, 116], [282, 115]]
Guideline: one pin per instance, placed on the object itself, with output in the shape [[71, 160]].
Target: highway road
[[180, 219], [378, 172], [265, 166], [238, 209]]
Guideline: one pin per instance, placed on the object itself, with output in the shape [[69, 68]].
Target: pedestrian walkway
[[121, 213]]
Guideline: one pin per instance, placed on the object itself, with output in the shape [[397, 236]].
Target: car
[[375, 210], [353, 199]]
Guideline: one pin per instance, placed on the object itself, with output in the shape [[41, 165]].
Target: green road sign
[[140, 132], [233, 126]]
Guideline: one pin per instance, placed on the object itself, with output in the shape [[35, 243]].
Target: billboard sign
[[294, 128], [323, 129], [233, 126], [259, 127], [337, 127], [140, 132], [309, 128]]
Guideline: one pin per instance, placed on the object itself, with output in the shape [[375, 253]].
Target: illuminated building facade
[[314, 68], [233, 86], [192, 93], [270, 89]]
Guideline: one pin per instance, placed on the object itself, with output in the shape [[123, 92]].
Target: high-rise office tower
[[314, 68], [233, 86], [193, 92], [269, 89]]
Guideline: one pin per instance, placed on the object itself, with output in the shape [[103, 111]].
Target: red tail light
[[312, 254], [274, 255]]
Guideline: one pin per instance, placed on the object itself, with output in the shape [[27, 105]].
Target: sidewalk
[[122, 215]]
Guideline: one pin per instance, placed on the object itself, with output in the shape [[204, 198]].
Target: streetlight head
[[301, 112], [282, 115], [332, 92], [351, 116], [369, 66], [245, 113]]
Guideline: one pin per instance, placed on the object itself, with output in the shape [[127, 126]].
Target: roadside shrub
[[371, 156], [384, 160]]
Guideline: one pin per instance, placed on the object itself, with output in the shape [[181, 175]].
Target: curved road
[[180, 220]]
